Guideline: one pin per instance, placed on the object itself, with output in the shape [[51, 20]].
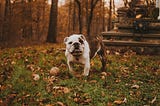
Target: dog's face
[[75, 44]]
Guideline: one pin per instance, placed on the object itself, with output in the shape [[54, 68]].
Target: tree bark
[[2, 17], [79, 15], [69, 17], [93, 5], [52, 31], [103, 15], [110, 16], [30, 29], [7, 20], [74, 17]]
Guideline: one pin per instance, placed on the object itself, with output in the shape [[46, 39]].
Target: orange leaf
[[118, 102]]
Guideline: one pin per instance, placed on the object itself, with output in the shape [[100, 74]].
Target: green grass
[[17, 86]]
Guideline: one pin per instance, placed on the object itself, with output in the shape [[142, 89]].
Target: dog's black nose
[[76, 45]]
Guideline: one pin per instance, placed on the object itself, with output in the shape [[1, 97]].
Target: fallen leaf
[[107, 51], [154, 99], [13, 62], [135, 86], [118, 102], [54, 71], [76, 99], [92, 63], [36, 77], [49, 105], [93, 81], [62, 89], [66, 90], [60, 104], [125, 100], [109, 104], [51, 79], [88, 100], [103, 77], [117, 53], [131, 93], [1, 101], [103, 94], [118, 80], [27, 95], [104, 74]]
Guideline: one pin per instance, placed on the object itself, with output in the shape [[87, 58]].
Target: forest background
[[24, 22]]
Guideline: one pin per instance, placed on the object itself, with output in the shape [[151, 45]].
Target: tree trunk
[[86, 14], [74, 17], [114, 8], [69, 17], [30, 28], [79, 15], [93, 5], [7, 20], [52, 31], [2, 17], [110, 16], [24, 15], [103, 15]]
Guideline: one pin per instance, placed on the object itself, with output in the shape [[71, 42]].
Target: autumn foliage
[[27, 22]]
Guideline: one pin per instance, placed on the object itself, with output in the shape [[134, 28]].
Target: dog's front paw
[[85, 74]]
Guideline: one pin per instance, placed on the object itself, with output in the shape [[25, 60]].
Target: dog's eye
[[70, 43], [81, 41]]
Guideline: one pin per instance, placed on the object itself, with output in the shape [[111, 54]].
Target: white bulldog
[[78, 51]]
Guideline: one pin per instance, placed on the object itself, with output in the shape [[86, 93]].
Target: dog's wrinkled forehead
[[74, 38]]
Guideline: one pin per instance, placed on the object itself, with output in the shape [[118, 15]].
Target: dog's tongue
[[76, 53]]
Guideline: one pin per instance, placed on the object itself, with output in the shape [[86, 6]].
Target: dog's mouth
[[76, 52]]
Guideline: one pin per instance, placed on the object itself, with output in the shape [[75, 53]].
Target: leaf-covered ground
[[26, 79]]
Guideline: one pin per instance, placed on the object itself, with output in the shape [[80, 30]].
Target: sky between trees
[[118, 3]]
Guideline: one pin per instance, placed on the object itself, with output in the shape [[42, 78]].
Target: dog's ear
[[65, 39], [83, 37]]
